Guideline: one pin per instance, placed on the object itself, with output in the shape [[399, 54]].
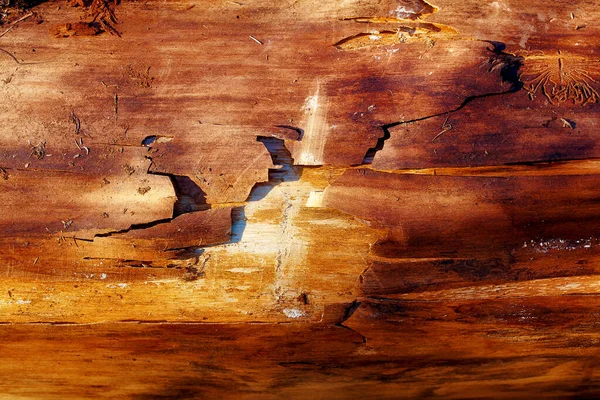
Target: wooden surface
[[324, 199]]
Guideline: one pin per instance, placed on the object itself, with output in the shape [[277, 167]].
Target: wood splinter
[[445, 128]]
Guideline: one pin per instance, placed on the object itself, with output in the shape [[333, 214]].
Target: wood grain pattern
[[330, 199]]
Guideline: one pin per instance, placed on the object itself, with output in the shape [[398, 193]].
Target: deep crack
[[509, 66]]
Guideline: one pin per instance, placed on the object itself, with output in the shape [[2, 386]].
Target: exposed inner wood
[[257, 198]]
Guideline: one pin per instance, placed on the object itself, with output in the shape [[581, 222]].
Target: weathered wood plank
[[258, 199]]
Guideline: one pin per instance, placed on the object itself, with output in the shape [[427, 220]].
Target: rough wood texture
[[329, 199]]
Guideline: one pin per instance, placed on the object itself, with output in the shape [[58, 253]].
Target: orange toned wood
[[336, 199], [455, 215]]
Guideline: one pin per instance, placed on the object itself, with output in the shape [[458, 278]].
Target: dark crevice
[[508, 66], [135, 227], [284, 171], [364, 338], [379, 146], [135, 263], [370, 155], [190, 198], [148, 140], [299, 131], [181, 254], [460, 107], [84, 240], [350, 310]]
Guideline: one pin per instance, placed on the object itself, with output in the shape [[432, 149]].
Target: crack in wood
[[508, 66]]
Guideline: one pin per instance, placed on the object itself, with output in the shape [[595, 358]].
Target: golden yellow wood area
[[297, 199]]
